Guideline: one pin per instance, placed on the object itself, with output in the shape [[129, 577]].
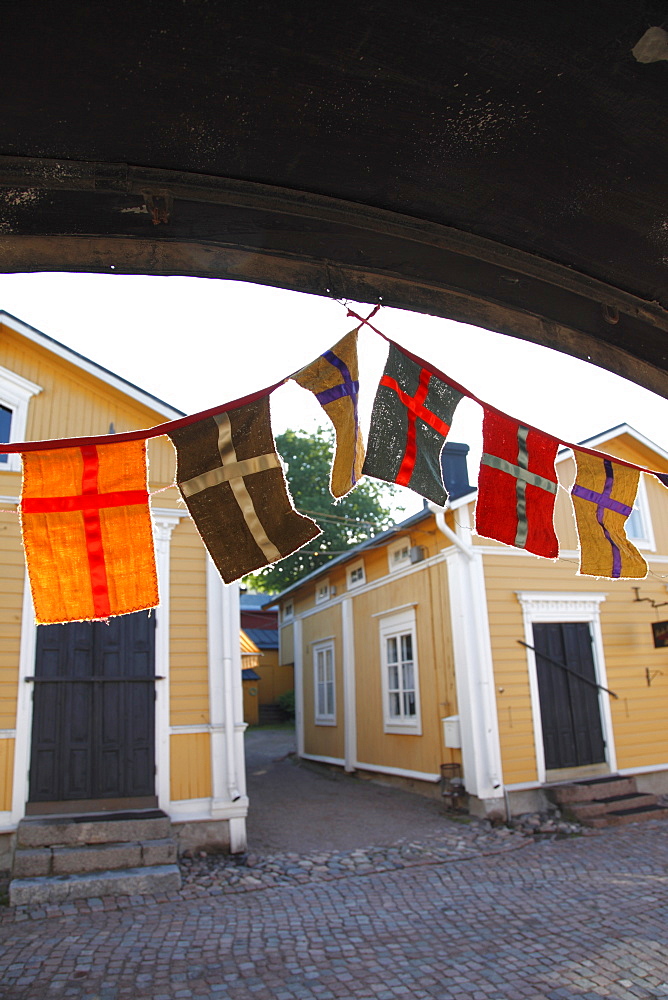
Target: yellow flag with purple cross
[[603, 496], [333, 378]]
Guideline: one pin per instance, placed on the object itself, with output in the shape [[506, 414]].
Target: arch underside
[[502, 164]]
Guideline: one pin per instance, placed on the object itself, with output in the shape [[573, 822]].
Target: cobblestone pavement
[[477, 915]]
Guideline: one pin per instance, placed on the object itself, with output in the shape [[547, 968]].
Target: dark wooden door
[[569, 707], [93, 728]]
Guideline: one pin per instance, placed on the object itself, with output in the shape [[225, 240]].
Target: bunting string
[[83, 496]]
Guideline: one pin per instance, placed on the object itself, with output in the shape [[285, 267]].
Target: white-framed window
[[15, 395], [399, 673], [399, 554], [322, 592], [324, 683], [288, 611], [356, 575], [639, 523]]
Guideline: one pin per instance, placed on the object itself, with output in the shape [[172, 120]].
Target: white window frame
[[641, 507], [354, 571], [393, 627], [288, 611], [322, 592], [566, 606], [15, 394], [324, 718], [395, 564]]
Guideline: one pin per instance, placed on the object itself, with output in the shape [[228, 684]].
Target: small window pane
[[407, 672], [409, 703], [392, 651], [407, 647], [393, 678], [395, 706]]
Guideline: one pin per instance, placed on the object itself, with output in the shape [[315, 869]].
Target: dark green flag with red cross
[[411, 417]]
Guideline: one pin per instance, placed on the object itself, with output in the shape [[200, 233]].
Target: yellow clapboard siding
[[6, 773], [190, 766], [327, 739], [415, 753]]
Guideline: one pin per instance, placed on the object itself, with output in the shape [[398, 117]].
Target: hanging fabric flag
[[333, 379], [87, 532], [517, 485], [232, 482], [603, 496], [410, 420], [662, 477]]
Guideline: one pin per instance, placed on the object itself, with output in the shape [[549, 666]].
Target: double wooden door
[[93, 731], [569, 697]]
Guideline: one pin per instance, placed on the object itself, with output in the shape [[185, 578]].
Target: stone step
[[599, 807], [125, 882], [103, 828], [46, 861], [43, 861], [593, 790], [623, 816]]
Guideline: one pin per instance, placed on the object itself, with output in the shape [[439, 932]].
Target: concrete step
[[125, 882], [600, 807], [623, 816], [593, 790], [103, 828], [86, 858]]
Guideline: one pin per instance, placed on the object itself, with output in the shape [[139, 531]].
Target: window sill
[[407, 729], [325, 722]]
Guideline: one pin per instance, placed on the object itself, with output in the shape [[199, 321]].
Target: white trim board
[[374, 585], [400, 772]]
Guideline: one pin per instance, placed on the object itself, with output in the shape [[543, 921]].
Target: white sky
[[197, 342]]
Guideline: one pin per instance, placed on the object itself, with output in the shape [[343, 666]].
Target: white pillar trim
[[298, 657], [228, 778], [349, 692], [164, 522], [474, 667], [24, 706]]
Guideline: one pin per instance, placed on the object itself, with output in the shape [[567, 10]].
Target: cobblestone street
[[478, 915]]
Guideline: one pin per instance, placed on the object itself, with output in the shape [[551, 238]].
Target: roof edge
[[91, 367]]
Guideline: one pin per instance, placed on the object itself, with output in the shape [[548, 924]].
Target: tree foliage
[[345, 523]]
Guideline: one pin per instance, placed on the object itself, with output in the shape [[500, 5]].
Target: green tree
[[346, 523]]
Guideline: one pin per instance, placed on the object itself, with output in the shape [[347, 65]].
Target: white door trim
[[566, 606]]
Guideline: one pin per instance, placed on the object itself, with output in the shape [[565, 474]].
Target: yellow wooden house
[[431, 646], [173, 742]]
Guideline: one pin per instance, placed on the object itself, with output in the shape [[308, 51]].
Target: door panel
[[94, 709], [569, 707]]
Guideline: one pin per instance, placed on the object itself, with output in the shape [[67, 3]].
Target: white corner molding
[[298, 658], [24, 705], [228, 774], [164, 522], [474, 668], [349, 696]]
